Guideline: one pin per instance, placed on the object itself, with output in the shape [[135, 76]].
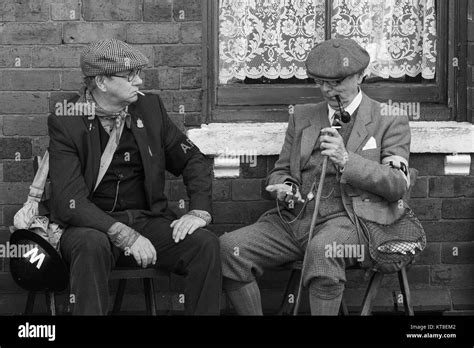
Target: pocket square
[[371, 144]]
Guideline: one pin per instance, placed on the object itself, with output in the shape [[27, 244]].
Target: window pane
[[267, 41], [267, 38]]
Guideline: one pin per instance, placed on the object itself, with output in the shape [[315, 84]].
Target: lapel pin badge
[[139, 123]]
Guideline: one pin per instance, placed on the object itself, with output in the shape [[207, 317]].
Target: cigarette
[[142, 94]]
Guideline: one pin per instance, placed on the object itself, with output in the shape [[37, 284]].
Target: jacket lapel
[[143, 146], [310, 134], [359, 132], [92, 126]]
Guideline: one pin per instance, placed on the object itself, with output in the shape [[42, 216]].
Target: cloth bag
[[394, 246], [29, 218]]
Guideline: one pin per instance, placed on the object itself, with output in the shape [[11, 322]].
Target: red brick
[[40, 145], [29, 80], [449, 230], [431, 254], [178, 120], [9, 147], [452, 275], [190, 100], [162, 78], [187, 10], [14, 193], [239, 212], [66, 10], [59, 97], [463, 299], [71, 80], [157, 10], [18, 171], [23, 103], [112, 10], [179, 55], [9, 212], [191, 33], [89, 32], [428, 164], [246, 190], [24, 11], [452, 186], [191, 78], [30, 33], [25, 125], [221, 190], [420, 190], [462, 208], [9, 57], [426, 209], [253, 166], [65, 56], [463, 254], [418, 278], [159, 33], [193, 119], [1, 175]]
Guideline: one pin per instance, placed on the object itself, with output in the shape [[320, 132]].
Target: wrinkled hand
[[187, 224], [143, 251], [332, 145], [284, 193]]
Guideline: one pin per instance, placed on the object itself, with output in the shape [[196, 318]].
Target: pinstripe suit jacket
[[369, 188]]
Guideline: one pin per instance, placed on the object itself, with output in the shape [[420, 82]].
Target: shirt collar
[[351, 108]]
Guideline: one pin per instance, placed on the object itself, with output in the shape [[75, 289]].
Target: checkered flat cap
[[336, 59], [108, 57]]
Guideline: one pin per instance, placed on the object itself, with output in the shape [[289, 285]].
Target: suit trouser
[[270, 243], [91, 257]]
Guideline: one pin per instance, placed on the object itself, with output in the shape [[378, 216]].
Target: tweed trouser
[[270, 243]]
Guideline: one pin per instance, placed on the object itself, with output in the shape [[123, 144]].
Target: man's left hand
[[332, 145], [187, 224]]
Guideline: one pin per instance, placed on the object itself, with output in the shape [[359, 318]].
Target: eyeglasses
[[131, 75], [330, 83]]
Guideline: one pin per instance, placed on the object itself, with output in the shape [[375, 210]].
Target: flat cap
[[336, 59], [107, 57]]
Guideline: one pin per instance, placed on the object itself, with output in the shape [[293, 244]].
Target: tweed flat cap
[[107, 57], [336, 59]]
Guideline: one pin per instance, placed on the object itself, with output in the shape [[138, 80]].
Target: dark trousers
[[91, 257]]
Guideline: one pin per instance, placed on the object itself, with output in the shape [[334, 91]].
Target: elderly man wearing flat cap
[[367, 175], [107, 170]]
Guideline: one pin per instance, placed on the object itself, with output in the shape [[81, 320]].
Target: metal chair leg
[[371, 293], [405, 289], [30, 302], [343, 310], [119, 296], [286, 308], [50, 302], [149, 296]]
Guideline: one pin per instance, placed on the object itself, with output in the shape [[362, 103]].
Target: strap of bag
[[109, 151], [37, 186]]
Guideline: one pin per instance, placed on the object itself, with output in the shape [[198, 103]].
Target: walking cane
[[313, 224], [346, 117]]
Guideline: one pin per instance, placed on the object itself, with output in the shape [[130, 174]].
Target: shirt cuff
[[201, 214]]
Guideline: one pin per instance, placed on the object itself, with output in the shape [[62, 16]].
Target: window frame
[[446, 95]]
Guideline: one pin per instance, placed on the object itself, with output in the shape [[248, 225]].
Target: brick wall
[[470, 62], [40, 42]]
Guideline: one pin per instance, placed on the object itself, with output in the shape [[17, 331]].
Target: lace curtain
[[272, 38]]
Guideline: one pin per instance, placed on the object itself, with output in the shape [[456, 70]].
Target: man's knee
[[206, 242], [326, 288], [89, 242]]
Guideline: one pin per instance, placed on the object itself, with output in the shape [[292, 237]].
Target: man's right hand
[[143, 251], [284, 193]]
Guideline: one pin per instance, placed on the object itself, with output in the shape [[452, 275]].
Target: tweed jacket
[[370, 188], [75, 155]]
